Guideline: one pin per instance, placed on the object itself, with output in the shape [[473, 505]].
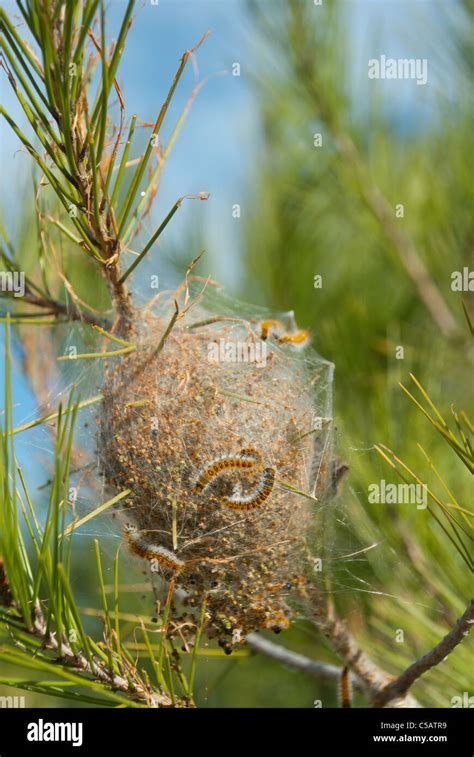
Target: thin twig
[[321, 670], [167, 332], [54, 307], [458, 633], [373, 679]]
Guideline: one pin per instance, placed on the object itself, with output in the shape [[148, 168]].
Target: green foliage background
[[311, 218]]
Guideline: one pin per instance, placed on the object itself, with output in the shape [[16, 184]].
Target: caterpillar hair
[[298, 339], [138, 544], [254, 499], [270, 325], [274, 328], [245, 459], [345, 688]]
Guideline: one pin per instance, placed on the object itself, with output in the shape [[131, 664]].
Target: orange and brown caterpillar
[[254, 499], [267, 326], [138, 544], [275, 328], [298, 339], [345, 689], [246, 459]]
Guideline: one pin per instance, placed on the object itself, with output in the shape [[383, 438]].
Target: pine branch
[[320, 670], [372, 679], [53, 307], [435, 656], [129, 682]]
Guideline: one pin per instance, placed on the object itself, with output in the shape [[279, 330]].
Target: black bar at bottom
[[365, 731]]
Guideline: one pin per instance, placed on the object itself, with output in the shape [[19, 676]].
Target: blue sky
[[219, 144]]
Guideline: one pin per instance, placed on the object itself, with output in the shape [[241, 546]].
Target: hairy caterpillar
[[247, 458], [147, 551], [267, 326], [297, 339], [345, 689], [254, 499]]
